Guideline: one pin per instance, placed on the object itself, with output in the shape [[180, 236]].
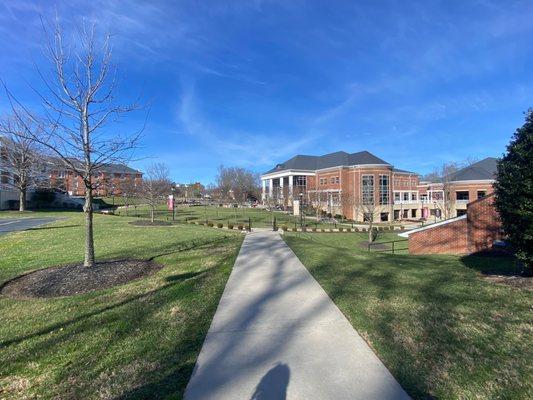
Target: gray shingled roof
[[481, 170], [328, 160], [110, 168], [404, 171]]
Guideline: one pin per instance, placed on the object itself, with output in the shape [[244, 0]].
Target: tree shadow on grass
[[418, 312], [160, 370], [492, 264], [61, 325]]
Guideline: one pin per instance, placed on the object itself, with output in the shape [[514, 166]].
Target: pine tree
[[514, 192]]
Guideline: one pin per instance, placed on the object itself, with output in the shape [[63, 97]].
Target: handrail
[[392, 249]]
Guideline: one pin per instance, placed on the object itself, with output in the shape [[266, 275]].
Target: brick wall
[[484, 226], [477, 232], [450, 238]]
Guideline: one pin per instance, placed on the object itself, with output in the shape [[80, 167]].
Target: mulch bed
[[147, 222], [75, 279]]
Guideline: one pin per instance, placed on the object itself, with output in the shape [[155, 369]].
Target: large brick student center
[[360, 184]]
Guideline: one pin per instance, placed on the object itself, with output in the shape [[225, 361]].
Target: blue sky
[[252, 83]]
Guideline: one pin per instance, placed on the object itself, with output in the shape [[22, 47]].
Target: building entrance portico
[[281, 188]]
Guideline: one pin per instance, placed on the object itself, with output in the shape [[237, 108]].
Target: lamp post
[[173, 190], [435, 210], [301, 195]]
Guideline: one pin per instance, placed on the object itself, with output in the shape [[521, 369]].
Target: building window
[[384, 217], [413, 213], [405, 214], [461, 195], [461, 212], [301, 181], [413, 196], [367, 185], [481, 194], [337, 179], [406, 196], [397, 196], [383, 189]]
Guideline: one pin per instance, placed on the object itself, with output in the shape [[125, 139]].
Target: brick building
[[472, 232], [110, 179], [346, 184], [341, 183]]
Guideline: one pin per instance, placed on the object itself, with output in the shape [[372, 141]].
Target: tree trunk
[[22, 199], [370, 233], [89, 238], [152, 218]]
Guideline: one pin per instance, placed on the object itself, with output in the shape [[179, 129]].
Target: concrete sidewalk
[[277, 335]]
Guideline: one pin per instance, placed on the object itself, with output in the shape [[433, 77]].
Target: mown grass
[[259, 217], [134, 341], [443, 331]]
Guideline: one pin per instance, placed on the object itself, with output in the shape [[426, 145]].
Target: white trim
[[447, 221], [287, 172], [475, 181]]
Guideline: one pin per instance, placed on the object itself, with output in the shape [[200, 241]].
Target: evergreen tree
[[514, 192]]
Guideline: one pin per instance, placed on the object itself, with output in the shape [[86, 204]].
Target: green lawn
[[259, 217], [443, 331], [134, 341]]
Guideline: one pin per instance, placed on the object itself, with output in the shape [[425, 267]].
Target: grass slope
[[134, 341], [258, 216], [442, 331]]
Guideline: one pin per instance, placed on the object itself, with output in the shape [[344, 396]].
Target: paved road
[[277, 335], [20, 224]]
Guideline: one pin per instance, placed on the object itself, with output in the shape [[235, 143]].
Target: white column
[[270, 187], [290, 185], [281, 187], [263, 192]]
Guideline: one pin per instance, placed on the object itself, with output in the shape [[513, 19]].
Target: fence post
[[249, 224], [392, 247]]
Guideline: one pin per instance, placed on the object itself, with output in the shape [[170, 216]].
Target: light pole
[[435, 210], [173, 190], [301, 195]]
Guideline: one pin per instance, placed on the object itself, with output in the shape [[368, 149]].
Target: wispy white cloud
[[237, 147]]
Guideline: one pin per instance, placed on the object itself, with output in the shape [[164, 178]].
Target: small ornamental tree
[[514, 192]]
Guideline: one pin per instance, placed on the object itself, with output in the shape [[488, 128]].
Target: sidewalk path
[[21, 224], [277, 335]]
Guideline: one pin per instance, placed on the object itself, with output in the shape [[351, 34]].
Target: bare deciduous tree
[[129, 190], [78, 105], [156, 185], [242, 183], [21, 157]]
